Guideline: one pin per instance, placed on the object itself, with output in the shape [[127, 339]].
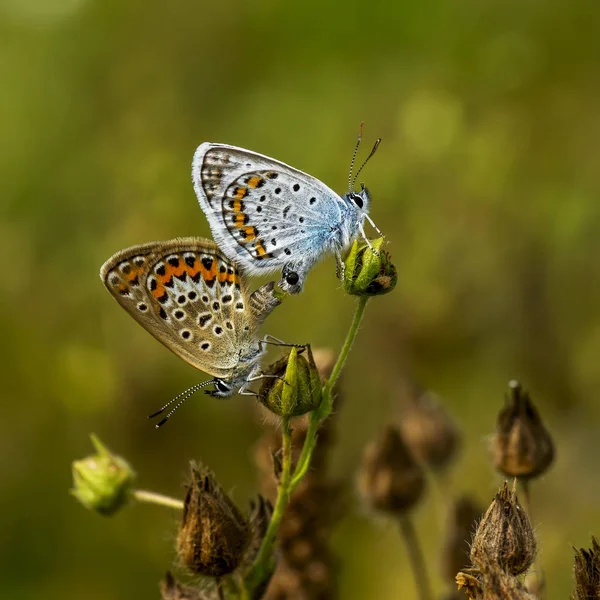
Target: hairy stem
[[263, 562], [160, 499], [417, 562]]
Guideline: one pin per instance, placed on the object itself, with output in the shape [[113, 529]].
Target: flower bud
[[368, 271], [522, 447], [170, 589], [428, 430], [102, 482], [214, 534], [586, 571], [504, 536], [390, 480], [296, 389]]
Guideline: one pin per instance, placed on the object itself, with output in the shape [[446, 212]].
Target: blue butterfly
[[266, 215]]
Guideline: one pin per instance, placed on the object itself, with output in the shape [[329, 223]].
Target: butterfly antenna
[[180, 399], [350, 184], [375, 146]]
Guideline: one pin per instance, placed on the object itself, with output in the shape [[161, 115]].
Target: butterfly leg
[[364, 235], [271, 339]]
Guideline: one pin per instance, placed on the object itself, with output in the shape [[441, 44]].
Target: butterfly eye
[[357, 200], [221, 386], [292, 278]]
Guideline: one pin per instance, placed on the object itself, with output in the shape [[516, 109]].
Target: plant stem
[[263, 561], [415, 555], [160, 499], [320, 414]]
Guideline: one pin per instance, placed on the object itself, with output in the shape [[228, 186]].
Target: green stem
[[154, 498], [320, 414], [264, 559], [417, 562]]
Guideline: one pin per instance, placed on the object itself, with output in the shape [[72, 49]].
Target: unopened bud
[[368, 270], [428, 430], [504, 536], [522, 447], [293, 385], [586, 572], [390, 479], [103, 481], [214, 534]]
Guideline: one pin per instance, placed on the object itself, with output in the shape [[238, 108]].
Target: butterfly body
[[193, 299], [266, 215]]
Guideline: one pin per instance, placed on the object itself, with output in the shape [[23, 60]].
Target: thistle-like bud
[[428, 430], [103, 481], [368, 270], [294, 385], [463, 521], [214, 534], [390, 479], [522, 447], [504, 536], [170, 589], [586, 572]]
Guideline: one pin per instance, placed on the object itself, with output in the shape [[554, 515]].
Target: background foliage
[[486, 185]]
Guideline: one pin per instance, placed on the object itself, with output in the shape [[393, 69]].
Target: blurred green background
[[486, 185]]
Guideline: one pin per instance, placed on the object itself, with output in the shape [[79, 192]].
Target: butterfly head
[[359, 201], [223, 389]]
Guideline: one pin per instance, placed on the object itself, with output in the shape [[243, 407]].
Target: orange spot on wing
[[159, 292], [260, 249], [209, 274], [254, 182], [250, 233], [239, 193], [240, 219]]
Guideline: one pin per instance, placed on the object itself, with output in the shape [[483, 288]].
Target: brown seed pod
[[504, 537], [586, 572], [522, 447], [390, 479], [214, 534]]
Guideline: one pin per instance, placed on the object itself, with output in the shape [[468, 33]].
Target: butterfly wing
[[190, 297], [262, 212]]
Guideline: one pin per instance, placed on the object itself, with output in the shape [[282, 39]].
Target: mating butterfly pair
[[191, 294]]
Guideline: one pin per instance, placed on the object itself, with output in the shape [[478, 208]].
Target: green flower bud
[[369, 271], [296, 387], [102, 482]]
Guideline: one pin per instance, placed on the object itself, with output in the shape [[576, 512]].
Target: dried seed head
[[464, 517], [504, 536], [214, 534], [368, 270], [296, 387], [522, 447], [428, 429], [390, 479], [170, 589], [586, 571], [103, 481]]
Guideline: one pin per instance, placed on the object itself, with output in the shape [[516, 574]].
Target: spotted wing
[[262, 212], [190, 297]]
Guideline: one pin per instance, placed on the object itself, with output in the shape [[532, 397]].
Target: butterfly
[[193, 299], [266, 215]]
